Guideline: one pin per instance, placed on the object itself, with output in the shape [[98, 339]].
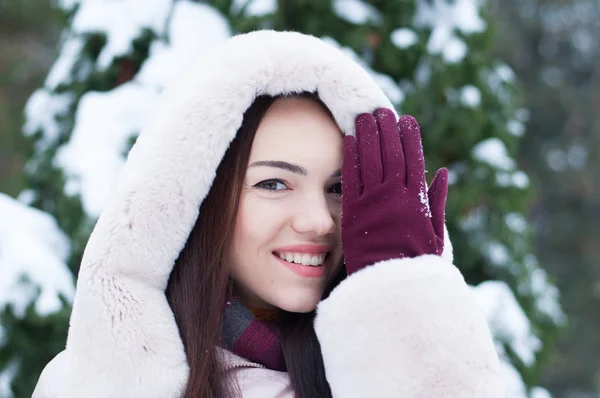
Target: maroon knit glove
[[387, 211]]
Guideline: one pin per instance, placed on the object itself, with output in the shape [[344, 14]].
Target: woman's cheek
[[266, 215]]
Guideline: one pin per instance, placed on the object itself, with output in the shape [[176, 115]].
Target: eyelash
[[262, 185], [337, 185]]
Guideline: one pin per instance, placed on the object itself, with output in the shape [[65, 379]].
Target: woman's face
[[287, 244]]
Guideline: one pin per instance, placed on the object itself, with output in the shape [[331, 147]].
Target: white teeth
[[304, 258]]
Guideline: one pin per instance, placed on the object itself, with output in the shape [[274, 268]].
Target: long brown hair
[[200, 282]]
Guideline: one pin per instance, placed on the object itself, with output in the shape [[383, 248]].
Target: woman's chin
[[299, 304]]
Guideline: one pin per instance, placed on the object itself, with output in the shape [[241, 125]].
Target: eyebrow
[[280, 164]]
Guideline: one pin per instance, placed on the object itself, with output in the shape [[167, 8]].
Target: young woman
[[229, 264]]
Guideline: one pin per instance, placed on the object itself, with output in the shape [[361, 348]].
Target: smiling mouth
[[308, 259]]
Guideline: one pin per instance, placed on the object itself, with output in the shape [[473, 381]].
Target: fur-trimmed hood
[[123, 340], [171, 167]]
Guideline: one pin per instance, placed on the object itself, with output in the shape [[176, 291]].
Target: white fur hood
[[421, 333]]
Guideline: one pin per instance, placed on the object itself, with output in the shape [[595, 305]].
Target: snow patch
[[254, 8], [523, 115], [515, 128], [27, 196], [404, 38], [520, 179], [497, 253], [455, 50], [444, 18], [62, 69], [505, 73], [6, 377], [557, 160], [516, 222], [470, 96], [452, 177], [357, 12], [515, 387], [424, 201], [475, 220], [104, 122], [33, 252], [188, 22], [121, 21], [539, 392], [94, 154], [507, 321], [516, 179], [493, 152], [546, 294], [423, 72], [66, 5], [391, 89], [498, 78], [41, 113], [577, 156]]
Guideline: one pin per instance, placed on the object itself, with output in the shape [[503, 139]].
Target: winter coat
[[399, 328]]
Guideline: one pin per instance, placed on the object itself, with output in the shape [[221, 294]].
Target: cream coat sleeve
[[407, 328]]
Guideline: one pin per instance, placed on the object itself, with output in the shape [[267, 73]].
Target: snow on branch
[[33, 253]]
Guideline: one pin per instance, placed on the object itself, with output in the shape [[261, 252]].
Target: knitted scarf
[[251, 338]]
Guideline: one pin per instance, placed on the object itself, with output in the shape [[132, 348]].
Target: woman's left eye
[[336, 188], [272, 185]]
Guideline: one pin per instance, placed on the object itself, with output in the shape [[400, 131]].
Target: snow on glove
[[387, 211]]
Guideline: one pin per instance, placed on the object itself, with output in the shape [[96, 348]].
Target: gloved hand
[[387, 212]]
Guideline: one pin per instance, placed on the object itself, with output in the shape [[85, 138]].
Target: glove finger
[[410, 134], [369, 152], [351, 184], [438, 192], [392, 156]]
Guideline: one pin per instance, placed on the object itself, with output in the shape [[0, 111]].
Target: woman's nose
[[314, 216]]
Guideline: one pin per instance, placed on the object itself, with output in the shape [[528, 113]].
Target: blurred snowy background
[[507, 93]]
